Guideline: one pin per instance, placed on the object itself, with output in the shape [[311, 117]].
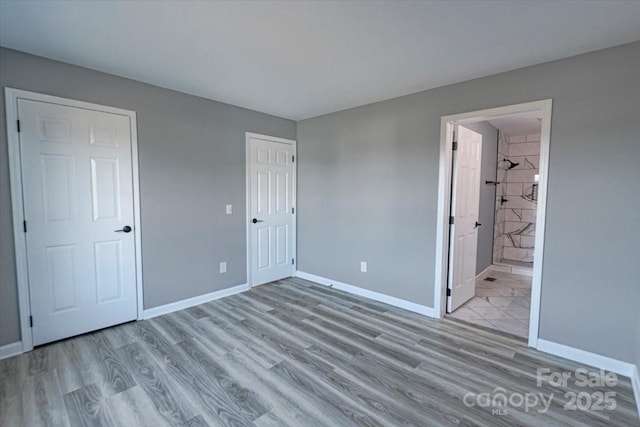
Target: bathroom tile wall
[[498, 233], [516, 195]]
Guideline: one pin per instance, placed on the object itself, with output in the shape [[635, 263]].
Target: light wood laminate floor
[[290, 353]]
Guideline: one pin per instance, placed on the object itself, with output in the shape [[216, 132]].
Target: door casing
[[294, 204], [17, 202], [544, 107]]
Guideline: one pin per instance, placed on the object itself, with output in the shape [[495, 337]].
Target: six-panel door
[[78, 190], [271, 197], [465, 209]]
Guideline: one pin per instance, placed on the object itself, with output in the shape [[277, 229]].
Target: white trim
[[541, 216], [376, 296], [635, 382], [20, 244], [442, 220], [592, 359], [137, 232], [190, 302], [15, 177], [444, 197], [294, 222], [10, 350], [271, 138], [513, 269], [484, 273]]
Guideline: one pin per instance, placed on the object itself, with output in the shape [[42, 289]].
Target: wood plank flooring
[[292, 353]]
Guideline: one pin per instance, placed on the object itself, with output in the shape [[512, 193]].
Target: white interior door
[[271, 195], [78, 192], [465, 210]]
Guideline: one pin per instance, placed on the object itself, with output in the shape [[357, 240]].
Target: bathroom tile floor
[[502, 304]]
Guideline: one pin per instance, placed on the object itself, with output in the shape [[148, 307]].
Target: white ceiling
[[303, 59], [519, 124]]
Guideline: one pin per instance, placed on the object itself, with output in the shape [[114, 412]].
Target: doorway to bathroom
[[516, 192], [491, 217]]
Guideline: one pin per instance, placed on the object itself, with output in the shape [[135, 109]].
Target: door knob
[[477, 224], [255, 220], [125, 229]]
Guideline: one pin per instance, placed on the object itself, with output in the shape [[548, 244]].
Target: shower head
[[511, 164]]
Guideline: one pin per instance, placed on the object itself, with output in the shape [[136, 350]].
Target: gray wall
[[192, 163], [488, 172], [638, 346], [368, 181]]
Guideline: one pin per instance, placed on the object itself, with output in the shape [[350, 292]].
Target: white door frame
[[17, 202], [294, 238], [444, 199]]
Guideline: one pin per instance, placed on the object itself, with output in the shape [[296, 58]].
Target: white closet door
[[271, 198], [78, 192]]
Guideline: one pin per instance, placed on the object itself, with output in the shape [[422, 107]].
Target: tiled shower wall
[[498, 233], [515, 221]]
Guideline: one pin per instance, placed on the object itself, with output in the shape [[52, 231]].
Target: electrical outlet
[[363, 266], [223, 267], [229, 209]]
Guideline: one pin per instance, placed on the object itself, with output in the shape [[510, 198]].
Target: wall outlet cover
[[363, 266], [223, 267]]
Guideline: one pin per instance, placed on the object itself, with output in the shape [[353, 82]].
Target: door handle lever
[[255, 220], [125, 229], [477, 225]]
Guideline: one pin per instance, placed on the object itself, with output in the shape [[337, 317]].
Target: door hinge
[[292, 263], [18, 121], [293, 210], [455, 145], [452, 220], [293, 159], [31, 321], [448, 292], [24, 225]]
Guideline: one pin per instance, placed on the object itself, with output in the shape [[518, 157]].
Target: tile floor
[[502, 304]]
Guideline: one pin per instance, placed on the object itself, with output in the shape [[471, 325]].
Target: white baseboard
[[484, 273], [588, 358], [512, 269], [376, 296], [10, 350], [190, 302], [592, 359]]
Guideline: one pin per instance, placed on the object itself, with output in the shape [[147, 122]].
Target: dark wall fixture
[[511, 164]]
